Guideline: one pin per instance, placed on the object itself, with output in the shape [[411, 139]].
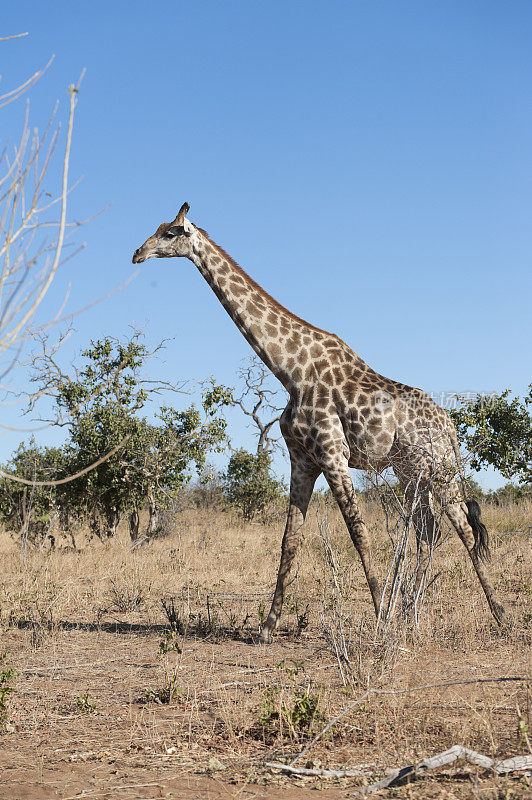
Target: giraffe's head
[[171, 239]]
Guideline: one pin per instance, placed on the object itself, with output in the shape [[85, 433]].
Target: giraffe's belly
[[371, 448], [320, 435]]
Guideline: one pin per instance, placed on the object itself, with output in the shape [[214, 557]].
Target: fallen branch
[[320, 773], [36, 670], [106, 789], [227, 686], [398, 777], [406, 774], [403, 691]]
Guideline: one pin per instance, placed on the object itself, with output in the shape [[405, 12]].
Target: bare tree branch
[[8, 337], [256, 398], [15, 93], [12, 36], [28, 261], [70, 478], [398, 777]]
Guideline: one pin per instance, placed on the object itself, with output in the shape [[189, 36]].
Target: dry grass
[[87, 633]]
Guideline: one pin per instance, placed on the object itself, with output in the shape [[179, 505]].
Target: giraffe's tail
[[480, 532]]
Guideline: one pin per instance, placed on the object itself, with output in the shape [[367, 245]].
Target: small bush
[[249, 484], [7, 676], [296, 718], [84, 704], [166, 694], [207, 493], [172, 614], [294, 713], [169, 643], [128, 594]]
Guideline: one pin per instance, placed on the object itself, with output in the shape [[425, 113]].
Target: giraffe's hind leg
[[424, 526], [302, 479], [457, 514], [339, 479]]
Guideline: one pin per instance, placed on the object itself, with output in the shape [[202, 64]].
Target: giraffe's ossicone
[[341, 414]]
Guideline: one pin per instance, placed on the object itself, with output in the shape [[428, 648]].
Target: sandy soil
[[87, 718]]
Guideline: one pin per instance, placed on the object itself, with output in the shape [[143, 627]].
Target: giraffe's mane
[[253, 283]]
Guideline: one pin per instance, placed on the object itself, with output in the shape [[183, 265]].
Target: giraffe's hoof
[[268, 629], [266, 635], [499, 614]]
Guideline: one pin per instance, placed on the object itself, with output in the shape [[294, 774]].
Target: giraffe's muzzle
[[138, 258]]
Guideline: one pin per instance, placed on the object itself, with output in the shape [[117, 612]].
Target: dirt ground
[[112, 702]]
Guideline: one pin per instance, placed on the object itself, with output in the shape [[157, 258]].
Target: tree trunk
[[134, 525], [153, 519], [111, 519], [95, 526]]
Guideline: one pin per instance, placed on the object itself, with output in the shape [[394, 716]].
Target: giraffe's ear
[[181, 214]]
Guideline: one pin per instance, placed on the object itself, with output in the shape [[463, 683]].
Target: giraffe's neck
[[278, 337]]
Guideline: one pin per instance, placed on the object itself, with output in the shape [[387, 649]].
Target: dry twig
[[354, 772]]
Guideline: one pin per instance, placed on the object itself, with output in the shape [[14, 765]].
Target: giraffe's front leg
[[339, 479], [302, 479]]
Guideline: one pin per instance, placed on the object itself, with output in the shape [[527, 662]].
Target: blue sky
[[367, 162]]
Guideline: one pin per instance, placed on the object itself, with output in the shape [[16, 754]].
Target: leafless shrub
[[414, 523], [335, 617], [415, 530], [172, 615], [128, 592]]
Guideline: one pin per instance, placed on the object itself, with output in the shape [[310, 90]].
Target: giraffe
[[341, 414]]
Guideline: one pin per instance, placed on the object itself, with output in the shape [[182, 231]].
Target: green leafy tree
[[498, 431], [31, 510], [162, 454], [100, 405], [509, 494], [249, 484]]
